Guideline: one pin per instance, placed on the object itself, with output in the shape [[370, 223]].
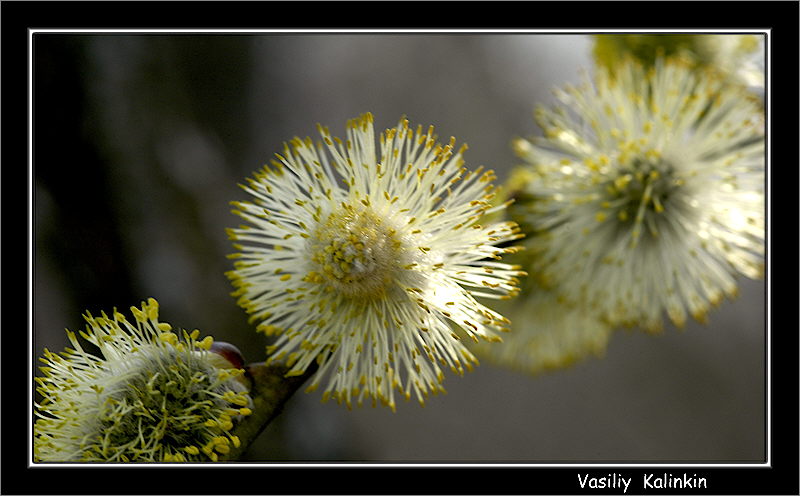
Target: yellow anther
[[622, 181], [657, 205], [152, 309], [138, 314], [206, 343]]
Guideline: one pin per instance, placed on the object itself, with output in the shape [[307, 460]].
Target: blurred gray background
[[140, 141]]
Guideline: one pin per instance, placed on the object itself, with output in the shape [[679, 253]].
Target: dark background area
[[140, 141]]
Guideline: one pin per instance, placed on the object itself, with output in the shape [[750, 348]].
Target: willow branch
[[270, 390]]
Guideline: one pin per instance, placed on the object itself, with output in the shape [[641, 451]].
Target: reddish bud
[[229, 352]]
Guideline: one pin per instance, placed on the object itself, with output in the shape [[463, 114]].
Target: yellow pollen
[[356, 252]]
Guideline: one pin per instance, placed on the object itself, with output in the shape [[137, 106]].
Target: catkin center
[[162, 404], [641, 192], [355, 251]]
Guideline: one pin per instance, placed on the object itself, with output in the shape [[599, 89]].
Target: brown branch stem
[[270, 390]]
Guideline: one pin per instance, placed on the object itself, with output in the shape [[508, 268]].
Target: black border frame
[[17, 17]]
